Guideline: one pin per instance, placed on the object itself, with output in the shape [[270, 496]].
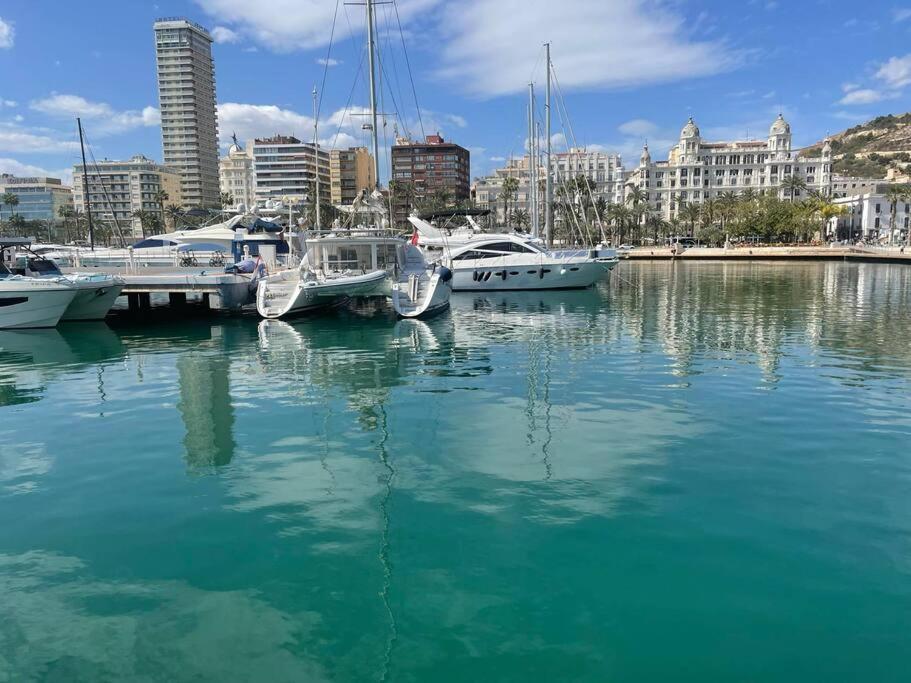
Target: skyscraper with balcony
[[186, 93]]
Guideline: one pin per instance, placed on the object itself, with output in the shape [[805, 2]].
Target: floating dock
[[219, 290]]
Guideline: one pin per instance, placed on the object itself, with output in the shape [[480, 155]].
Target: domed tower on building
[[646, 158], [689, 142], [827, 148], [780, 138]]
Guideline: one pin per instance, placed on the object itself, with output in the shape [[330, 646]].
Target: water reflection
[[205, 407]]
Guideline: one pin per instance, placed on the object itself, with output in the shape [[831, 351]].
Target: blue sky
[[628, 70]]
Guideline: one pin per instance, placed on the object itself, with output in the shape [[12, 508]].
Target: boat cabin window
[[43, 266], [386, 255], [508, 247], [474, 255], [340, 257]]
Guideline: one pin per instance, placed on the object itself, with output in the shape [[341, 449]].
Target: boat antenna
[[85, 186], [316, 156], [549, 186], [371, 58]]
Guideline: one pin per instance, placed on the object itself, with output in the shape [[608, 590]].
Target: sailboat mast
[[316, 157], [549, 182], [85, 186], [371, 59], [532, 162]]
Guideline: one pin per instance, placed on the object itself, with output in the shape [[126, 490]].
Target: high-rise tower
[[186, 94]]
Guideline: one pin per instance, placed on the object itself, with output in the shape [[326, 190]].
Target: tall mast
[[370, 57], [549, 188], [532, 163], [316, 156], [85, 187]]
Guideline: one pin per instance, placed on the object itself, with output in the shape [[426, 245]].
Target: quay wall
[[772, 254]]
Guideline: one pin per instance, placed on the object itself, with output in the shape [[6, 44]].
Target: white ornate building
[[697, 170], [235, 175]]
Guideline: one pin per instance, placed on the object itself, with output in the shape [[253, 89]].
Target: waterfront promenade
[[790, 253]]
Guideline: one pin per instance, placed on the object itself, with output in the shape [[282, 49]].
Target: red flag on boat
[[414, 238]]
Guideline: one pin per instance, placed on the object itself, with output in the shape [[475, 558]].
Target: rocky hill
[[871, 149]]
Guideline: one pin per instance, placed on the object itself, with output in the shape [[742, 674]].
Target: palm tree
[[143, 218], [749, 195], [173, 212], [161, 197], [11, 200], [792, 184], [895, 194], [635, 198], [509, 191], [226, 199], [520, 218], [657, 225], [66, 212], [690, 212], [620, 215], [727, 205]]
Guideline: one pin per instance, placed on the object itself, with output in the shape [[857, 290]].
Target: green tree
[[10, 200], [895, 194], [509, 191], [792, 185], [691, 213], [226, 199], [173, 212], [161, 197]]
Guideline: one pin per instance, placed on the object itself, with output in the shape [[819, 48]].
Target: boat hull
[[571, 275], [307, 296], [434, 300], [30, 307], [94, 298]]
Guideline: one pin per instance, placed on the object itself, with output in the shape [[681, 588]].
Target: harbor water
[[695, 472]]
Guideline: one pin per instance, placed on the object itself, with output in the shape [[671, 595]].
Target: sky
[[626, 71]]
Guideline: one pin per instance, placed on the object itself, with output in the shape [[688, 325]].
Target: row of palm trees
[[581, 215]]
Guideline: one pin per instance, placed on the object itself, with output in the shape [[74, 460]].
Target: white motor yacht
[[29, 302], [95, 292], [513, 261]]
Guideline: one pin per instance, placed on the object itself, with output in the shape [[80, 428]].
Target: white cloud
[[250, 121], [19, 140], [623, 43], [7, 103], [222, 34], [901, 14], [497, 158], [105, 120], [896, 72], [7, 35], [286, 25], [864, 96], [322, 61], [637, 127], [20, 169]]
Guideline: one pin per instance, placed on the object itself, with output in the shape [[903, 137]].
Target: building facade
[[285, 170], [186, 94], [868, 216], [603, 170], [846, 186], [40, 199], [697, 170], [235, 175], [350, 171], [117, 189], [423, 169]]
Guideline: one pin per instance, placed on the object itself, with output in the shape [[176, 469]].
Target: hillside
[[871, 149]]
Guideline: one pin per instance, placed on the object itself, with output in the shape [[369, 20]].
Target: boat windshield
[[43, 266]]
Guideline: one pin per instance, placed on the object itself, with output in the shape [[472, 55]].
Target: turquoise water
[[695, 472]]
